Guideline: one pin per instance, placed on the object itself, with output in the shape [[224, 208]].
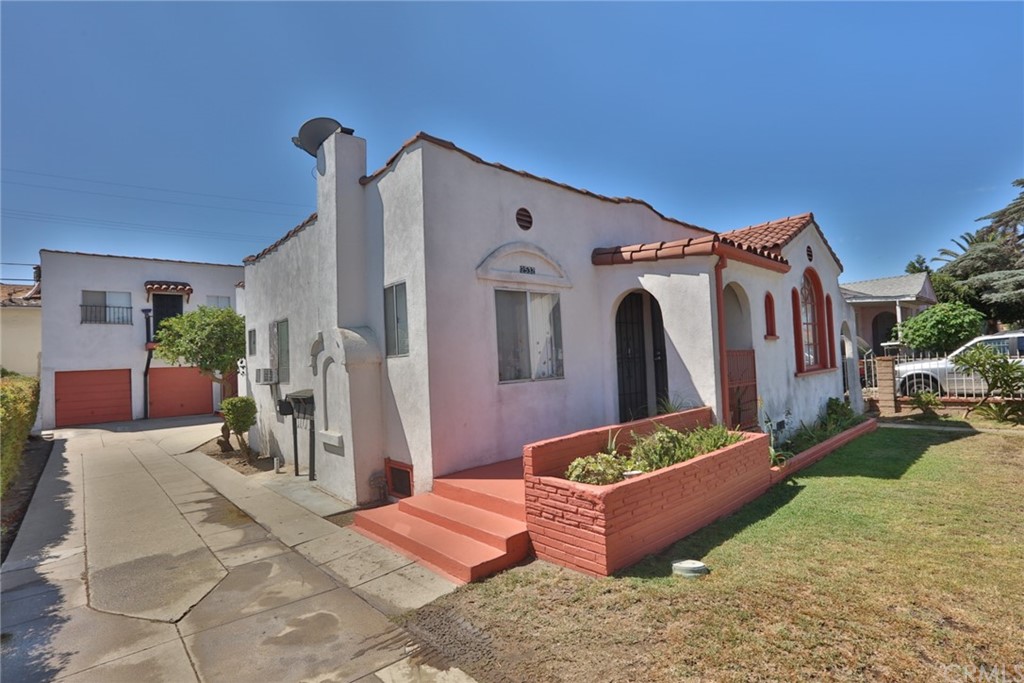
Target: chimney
[[341, 207]]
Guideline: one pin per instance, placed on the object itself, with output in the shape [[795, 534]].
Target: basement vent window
[[524, 219], [399, 478]]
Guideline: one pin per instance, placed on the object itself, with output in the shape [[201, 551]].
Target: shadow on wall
[[26, 652]]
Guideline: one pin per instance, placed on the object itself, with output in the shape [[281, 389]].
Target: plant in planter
[[600, 468], [926, 402], [662, 448]]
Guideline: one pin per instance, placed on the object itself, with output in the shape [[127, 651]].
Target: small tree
[[1002, 375], [210, 339], [240, 416], [941, 328]]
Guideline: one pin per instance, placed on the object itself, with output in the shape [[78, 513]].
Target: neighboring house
[[21, 327], [884, 303], [96, 364], [444, 311]]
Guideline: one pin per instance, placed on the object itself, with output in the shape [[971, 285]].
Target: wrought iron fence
[[107, 315], [916, 372]]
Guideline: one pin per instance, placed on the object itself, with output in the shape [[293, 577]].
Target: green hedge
[[19, 398]]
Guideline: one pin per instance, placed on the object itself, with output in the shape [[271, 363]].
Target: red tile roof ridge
[[253, 258], [448, 144], [776, 234], [138, 258]]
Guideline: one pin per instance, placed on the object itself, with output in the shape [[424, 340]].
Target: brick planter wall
[[600, 529]]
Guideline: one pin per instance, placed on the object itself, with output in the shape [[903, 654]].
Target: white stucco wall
[[21, 339], [779, 386], [68, 344], [300, 282], [469, 212]]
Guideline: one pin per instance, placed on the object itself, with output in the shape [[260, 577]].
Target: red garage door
[[92, 396], [174, 392]]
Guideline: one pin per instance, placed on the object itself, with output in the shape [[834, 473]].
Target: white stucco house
[[101, 310], [21, 328], [445, 310], [883, 303]]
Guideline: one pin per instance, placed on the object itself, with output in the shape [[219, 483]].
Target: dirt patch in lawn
[[896, 558], [18, 496], [235, 459]]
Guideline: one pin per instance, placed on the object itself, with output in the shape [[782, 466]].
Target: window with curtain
[[809, 322], [529, 335]]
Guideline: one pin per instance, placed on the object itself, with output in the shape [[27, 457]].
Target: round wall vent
[[810, 253], [524, 219]]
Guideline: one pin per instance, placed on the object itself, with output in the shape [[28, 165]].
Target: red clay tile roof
[[774, 235], [20, 296], [253, 258], [698, 246], [165, 287], [446, 144]]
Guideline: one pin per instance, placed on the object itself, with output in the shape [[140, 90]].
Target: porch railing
[[106, 315]]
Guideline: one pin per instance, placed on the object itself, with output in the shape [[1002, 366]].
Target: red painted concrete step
[[460, 557], [471, 526], [504, 533], [496, 488]]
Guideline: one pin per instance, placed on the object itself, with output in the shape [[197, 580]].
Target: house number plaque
[[527, 270]]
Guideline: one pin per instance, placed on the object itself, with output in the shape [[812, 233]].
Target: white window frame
[[217, 305], [559, 349], [392, 327]]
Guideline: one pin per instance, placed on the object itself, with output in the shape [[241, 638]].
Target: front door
[[640, 356]]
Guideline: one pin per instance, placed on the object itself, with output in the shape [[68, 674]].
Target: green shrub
[[19, 398], [600, 468], [926, 402], [239, 416], [1009, 411], [837, 416], [660, 448]]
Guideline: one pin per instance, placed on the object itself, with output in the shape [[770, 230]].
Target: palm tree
[[964, 243]]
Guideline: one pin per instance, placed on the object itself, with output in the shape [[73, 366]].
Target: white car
[[942, 377]]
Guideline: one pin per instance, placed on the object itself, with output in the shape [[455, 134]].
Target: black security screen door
[[660, 363], [631, 355], [165, 306]]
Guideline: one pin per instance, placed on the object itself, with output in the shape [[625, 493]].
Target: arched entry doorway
[[741, 392], [640, 356]]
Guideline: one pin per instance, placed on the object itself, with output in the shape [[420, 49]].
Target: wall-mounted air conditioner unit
[[266, 375]]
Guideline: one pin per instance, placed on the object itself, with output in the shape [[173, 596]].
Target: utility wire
[[130, 227], [155, 189], [143, 199], [6, 263]]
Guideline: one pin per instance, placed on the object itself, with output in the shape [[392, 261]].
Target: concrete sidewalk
[[140, 560]]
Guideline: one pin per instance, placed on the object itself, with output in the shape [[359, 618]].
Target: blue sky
[[898, 124]]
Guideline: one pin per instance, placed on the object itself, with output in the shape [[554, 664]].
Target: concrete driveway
[[143, 560]]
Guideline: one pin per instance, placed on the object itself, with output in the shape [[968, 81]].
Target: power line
[[155, 189], [6, 263], [130, 227], [143, 199]]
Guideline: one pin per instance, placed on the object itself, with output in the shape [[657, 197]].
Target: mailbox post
[[299, 404]]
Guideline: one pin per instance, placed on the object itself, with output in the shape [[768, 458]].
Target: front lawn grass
[[898, 557]]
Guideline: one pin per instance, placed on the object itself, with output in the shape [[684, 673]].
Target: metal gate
[[742, 389], [632, 327]]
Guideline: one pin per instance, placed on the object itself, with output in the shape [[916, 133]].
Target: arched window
[[769, 317], [831, 331], [810, 326]]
